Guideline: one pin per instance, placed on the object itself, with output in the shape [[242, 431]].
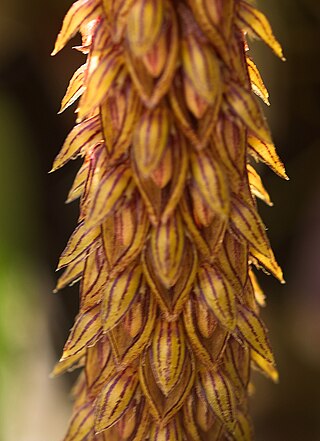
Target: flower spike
[[169, 234]]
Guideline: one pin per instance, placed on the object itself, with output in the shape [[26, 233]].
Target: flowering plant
[[169, 233]]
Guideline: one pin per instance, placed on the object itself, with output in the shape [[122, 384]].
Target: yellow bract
[[256, 82], [216, 389], [80, 12], [167, 248], [266, 152], [115, 398], [211, 182], [118, 295], [254, 332], [202, 68], [79, 242], [150, 140], [213, 286], [144, 24], [85, 332], [168, 354], [75, 88], [107, 192], [83, 135], [256, 22]]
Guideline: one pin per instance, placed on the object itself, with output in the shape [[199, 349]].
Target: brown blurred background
[[35, 224]]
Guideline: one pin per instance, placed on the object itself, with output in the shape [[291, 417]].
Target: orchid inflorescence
[[168, 127]]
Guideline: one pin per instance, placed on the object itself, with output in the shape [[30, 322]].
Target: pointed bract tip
[[54, 52]]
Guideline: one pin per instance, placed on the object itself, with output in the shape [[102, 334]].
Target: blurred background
[[35, 223]]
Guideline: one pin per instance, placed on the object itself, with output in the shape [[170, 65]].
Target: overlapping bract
[[169, 231]]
